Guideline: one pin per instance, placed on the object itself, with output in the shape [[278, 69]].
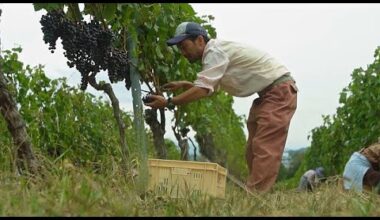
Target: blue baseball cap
[[186, 30], [320, 172]]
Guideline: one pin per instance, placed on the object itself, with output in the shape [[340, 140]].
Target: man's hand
[[192, 94], [157, 101]]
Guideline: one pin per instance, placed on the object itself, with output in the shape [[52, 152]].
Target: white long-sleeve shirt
[[238, 69]]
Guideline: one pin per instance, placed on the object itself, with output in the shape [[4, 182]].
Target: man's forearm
[[192, 94], [187, 85]]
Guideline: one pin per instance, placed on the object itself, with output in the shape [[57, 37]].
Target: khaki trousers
[[268, 124]]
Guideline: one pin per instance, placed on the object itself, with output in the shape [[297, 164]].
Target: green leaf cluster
[[353, 126], [150, 26], [62, 121]]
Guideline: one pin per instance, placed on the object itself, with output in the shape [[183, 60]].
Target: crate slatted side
[[179, 178]]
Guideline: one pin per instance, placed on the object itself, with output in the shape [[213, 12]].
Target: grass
[[70, 191]]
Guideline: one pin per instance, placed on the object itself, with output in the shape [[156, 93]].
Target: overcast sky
[[321, 44]]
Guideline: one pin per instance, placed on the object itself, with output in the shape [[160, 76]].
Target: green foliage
[[296, 159], [48, 6], [172, 150], [150, 25], [354, 125], [283, 173], [63, 122]]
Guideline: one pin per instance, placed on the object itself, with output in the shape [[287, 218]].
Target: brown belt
[[281, 79]]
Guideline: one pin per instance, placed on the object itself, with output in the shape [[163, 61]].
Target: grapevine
[[87, 46]]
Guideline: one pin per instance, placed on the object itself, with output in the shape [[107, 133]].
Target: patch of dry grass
[[68, 191]]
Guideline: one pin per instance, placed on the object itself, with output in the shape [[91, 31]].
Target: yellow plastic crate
[[179, 179]]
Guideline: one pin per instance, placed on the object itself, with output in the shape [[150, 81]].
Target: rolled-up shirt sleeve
[[214, 66]]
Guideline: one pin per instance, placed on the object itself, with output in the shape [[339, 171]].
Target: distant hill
[[290, 155]]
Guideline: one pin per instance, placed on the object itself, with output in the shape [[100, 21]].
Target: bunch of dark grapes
[[118, 67], [87, 46], [51, 28]]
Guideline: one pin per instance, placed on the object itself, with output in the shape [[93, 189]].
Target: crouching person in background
[[310, 179], [362, 169]]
